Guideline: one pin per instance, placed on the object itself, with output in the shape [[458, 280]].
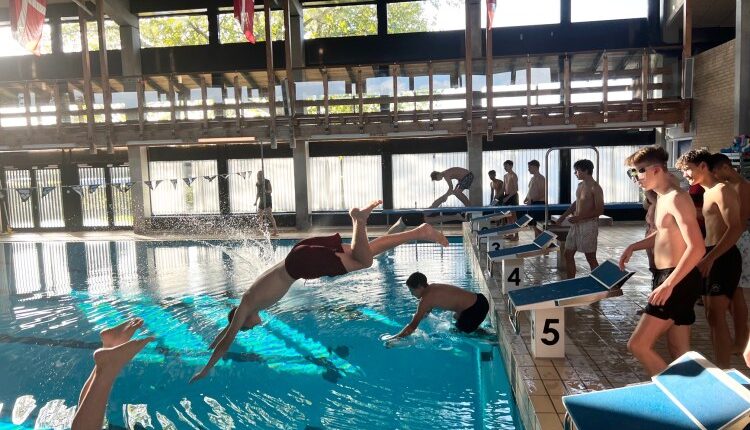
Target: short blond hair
[[654, 154]]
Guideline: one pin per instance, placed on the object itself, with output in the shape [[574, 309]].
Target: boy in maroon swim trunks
[[310, 259]]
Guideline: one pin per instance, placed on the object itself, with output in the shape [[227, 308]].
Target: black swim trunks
[[512, 200], [725, 273], [466, 181], [315, 257], [472, 317], [680, 304]]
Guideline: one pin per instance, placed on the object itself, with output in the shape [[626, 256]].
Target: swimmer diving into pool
[[311, 259], [470, 309]]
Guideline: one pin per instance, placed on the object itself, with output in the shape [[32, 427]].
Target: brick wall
[[713, 93]]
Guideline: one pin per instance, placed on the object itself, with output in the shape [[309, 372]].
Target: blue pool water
[[316, 362]]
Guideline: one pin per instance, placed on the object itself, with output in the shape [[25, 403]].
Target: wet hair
[[416, 280], [534, 163], [719, 160], [694, 156], [584, 166], [230, 315], [492, 173], [649, 154], [434, 176], [508, 162]]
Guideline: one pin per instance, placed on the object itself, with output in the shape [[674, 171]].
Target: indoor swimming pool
[[317, 362]]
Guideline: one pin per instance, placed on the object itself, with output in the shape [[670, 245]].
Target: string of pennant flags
[[25, 192]]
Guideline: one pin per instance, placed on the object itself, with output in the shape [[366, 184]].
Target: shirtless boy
[[470, 309], [584, 232], [678, 247], [310, 259], [720, 267], [464, 179], [511, 191], [497, 188]]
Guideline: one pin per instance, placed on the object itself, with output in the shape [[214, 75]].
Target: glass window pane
[[176, 30], [242, 191], [598, 10], [493, 160], [340, 21], [93, 196], [412, 186], [121, 201], [173, 196], [20, 210], [231, 32], [516, 13], [615, 184], [71, 35], [49, 194], [427, 15], [343, 182]]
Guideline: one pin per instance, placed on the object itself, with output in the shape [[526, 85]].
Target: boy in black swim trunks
[[464, 179], [678, 247], [721, 267], [311, 259], [470, 308]]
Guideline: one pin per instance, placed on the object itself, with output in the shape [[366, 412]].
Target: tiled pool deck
[[596, 335]]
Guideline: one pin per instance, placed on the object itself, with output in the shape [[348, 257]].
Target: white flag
[[25, 194]]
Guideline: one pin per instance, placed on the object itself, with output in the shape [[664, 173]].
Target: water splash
[[55, 415], [22, 408], [219, 417], [136, 415], [166, 424]]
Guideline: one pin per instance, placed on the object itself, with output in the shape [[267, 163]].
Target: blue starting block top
[[603, 279], [510, 228], [690, 394], [541, 244], [491, 216]]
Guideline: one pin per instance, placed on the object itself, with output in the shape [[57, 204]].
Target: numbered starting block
[[547, 302], [494, 236], [512, 259], [691, 393], [480, 223]]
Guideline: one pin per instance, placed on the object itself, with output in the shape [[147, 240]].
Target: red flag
[[490, 12], [244, 11], [27, 22]]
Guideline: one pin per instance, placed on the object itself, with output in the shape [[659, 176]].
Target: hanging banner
[[47, 190], [93, 188], [243, 175], [174, 183], [189, 181], [210, 178], [244, 12], [27, 23], [124, 187], [78, 189], [152, 184], [24, 193]]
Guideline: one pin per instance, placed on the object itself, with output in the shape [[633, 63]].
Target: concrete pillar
[[298, 53], [140, 194], [742, 68], [130, 40], [475, 13], [660, 137], [301, 154], [474, 156]]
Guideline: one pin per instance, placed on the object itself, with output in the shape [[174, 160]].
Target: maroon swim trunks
[[315, 257]]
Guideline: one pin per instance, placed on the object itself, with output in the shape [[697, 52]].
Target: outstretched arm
[[422, 310], [223, 341]]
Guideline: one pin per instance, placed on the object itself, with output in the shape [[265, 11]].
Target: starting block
[[547, 302], [480, 223], [691, 393], [512, 259], [494, 236]]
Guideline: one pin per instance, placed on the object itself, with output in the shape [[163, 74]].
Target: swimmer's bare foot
[[112, 360], [428, 233], [120, 334], [361, 214]]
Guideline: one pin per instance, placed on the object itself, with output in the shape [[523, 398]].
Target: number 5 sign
[[548, 333]]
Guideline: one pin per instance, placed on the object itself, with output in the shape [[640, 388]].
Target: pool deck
[[596, 335]]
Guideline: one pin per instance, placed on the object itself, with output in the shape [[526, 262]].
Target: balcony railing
[[580, 89]]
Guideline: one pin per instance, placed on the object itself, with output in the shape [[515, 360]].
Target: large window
[[50, 197], [340, 183], [493, 160], [175, 30], [231, 32], [171, 194], [340, 21], [515, 13], [93, 196], [412, 186], [10, 48], [122, 204], [617, 187], [71, 35], [19, 198], [426, 15], [242, 190], [598, 10]]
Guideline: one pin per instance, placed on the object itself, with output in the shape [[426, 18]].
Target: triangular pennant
[[174, 183], [243, 174], [224, 176], [210, 178], [152, 184], [78, 189], [47, 190], [25, 194], [125, 187], [189, 181], [93, 188]]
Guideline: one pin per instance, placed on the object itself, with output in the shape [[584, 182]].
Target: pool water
[[316, 362]]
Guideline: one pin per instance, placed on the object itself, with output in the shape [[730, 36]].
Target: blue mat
[[521, 222]]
